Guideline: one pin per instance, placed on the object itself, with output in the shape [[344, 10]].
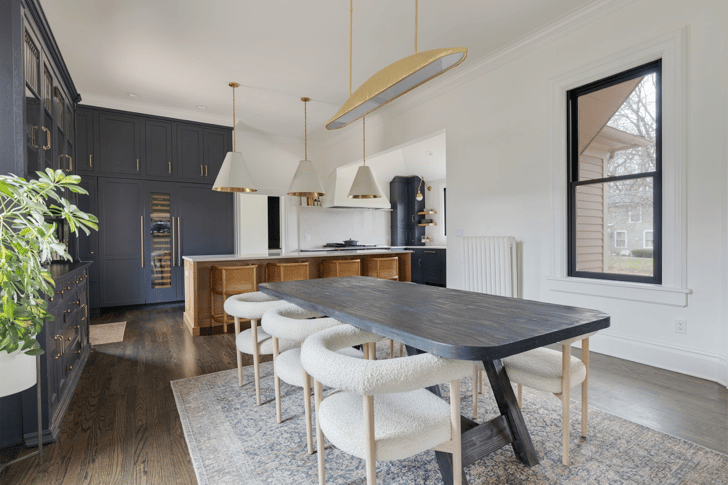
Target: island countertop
[[291, 255]]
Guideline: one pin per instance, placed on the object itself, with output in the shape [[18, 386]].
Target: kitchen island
[[197, 276]]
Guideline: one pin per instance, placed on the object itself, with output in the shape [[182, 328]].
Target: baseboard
[[705, 365]]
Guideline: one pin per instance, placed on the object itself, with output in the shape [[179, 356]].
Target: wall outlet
[[681, 326]]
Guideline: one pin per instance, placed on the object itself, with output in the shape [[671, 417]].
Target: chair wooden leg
[[371, 457], [401, 350], [373, 351], [276, 381], [565, 390], [238, 354], [520, 396], [256, 358], [476, 374], [457, 454], [307, 410], [391, 349], [320, 450], [585, 387]]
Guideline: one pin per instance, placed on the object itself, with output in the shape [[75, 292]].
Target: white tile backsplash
[[318, 226]]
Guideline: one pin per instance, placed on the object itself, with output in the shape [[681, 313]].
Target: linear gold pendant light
[[305, 182], [395, 80], [234, 175]]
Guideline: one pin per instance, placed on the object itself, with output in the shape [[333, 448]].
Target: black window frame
[[573, 173]]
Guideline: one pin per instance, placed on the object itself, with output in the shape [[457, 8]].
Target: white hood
[[337, 192]]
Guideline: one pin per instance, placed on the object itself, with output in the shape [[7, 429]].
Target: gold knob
[[58, 356]]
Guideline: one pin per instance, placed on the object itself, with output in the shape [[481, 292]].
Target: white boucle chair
[[252, 306], [293, 323], [556, 372], [403, 420]]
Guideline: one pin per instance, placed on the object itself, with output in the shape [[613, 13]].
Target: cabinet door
[[121, 231], [88, 246], [158, 144], [205, 224], [160, 241], [432, 264], [398, 194], [85, 141], [416, 265], [217, 144], [119, 144], [34, 134], [189, 158]]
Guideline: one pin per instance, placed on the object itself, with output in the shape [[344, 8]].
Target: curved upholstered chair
[[292, 323], [556, 372], [403, 420], [253, 341]]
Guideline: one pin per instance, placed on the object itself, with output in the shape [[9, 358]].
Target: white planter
[[17, 372]]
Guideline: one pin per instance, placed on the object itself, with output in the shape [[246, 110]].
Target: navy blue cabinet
[[404, 222], [119, 144], [429, 266], [158, 148]]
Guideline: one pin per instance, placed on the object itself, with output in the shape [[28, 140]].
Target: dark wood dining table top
[[443, 321]]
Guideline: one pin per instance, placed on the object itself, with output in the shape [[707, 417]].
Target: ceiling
[[178, 54]]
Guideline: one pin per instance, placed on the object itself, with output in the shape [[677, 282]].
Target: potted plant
[[27, 241]]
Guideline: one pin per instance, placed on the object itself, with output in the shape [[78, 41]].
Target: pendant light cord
[[416, 11], [305, 131], [351, 39], [364, 139]]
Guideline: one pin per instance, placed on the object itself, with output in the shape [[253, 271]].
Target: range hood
[[337, 192]]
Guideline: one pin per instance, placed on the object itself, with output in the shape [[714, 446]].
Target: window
[[615, 176], [635, 215], [647, 239]]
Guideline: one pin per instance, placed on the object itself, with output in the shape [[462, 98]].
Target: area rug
[[233, 441], [106, 333]]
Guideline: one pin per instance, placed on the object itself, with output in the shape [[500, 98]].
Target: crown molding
[[449, 81]]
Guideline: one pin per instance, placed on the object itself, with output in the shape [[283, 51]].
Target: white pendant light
[[305, 182], [365, 186], [395, 80], [233, 175]]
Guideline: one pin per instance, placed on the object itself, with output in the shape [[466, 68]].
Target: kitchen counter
[[419, 247], [291, 255], [197, 276]]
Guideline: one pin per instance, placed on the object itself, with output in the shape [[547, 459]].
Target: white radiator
[[490, 265]]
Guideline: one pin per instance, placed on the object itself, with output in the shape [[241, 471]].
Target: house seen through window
[[615, 177]]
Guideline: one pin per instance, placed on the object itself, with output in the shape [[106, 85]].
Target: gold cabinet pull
[[137, 164], [205, 170], [169, 165], [48, 138], [179, 242], [141, 231], [201, 171], [85, 307], [33, 141], [91, 160], [70, 164], [174, 236]]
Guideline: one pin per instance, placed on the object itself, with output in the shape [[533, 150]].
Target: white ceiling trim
[[457, 77]]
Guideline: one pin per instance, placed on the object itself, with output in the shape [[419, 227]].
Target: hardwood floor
[[122, 425]]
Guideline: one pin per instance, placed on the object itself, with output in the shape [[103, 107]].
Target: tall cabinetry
[[155, 202], [404, 225], [37, 112]]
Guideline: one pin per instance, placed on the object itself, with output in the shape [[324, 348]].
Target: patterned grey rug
[[233, 441], [106, 333]]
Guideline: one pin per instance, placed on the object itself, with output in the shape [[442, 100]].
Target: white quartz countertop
[[290, 255], [418, 247]]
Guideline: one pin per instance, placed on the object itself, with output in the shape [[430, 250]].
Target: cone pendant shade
[[365, 186], [234, 175], [305, 183]]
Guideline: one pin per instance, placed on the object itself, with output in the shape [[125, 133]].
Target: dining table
[[453, 324]]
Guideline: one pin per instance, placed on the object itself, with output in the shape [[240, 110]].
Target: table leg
[[508, 406]]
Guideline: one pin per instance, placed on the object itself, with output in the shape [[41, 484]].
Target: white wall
[[498, 172]]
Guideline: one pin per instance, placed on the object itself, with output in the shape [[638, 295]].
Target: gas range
[[344, 247]]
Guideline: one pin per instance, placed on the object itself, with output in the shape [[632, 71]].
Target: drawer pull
[[67, 311], [68, 369], [77, 302], [431, 252], [85, 315]]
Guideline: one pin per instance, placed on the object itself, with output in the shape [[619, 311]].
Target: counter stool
[[292, 322], [252, 306], [226, 281], [384, 268], [335, 268], [286, 271]]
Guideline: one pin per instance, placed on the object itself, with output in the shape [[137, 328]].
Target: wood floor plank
[[122, 425]]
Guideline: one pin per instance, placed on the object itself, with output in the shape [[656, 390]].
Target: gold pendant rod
[[305, 130], [351, 38], [364, 138], [416, 12], [233, 85]]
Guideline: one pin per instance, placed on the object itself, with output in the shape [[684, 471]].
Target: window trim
[[672, 49], [572, 162]]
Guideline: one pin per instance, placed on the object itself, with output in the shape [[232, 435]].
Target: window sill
[[622, 290]]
